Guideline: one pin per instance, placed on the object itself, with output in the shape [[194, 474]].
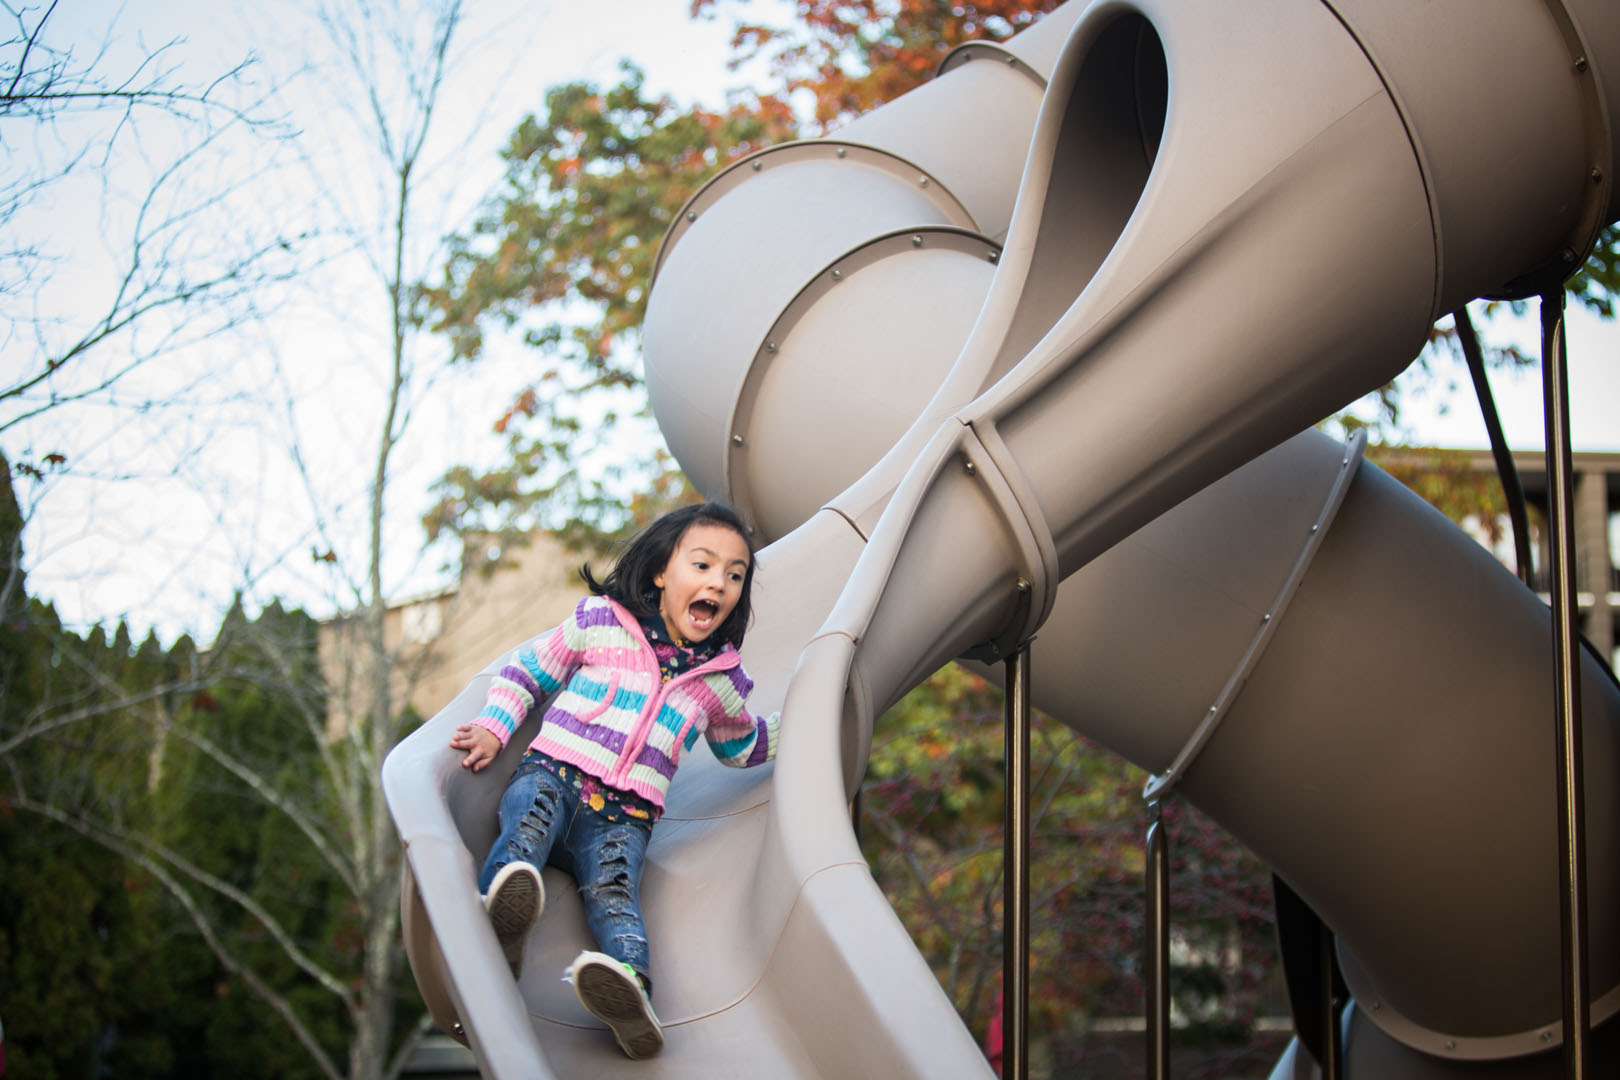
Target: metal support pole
[[1156, 931], [1566, 671], [1332, 1048], [1512, 489], [1015, 875]]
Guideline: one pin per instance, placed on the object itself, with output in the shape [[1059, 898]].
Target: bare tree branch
[[125, 846]]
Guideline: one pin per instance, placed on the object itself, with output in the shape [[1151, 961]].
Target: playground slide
[[961, 387]]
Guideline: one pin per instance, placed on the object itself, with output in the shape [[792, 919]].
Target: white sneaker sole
[[613, 997], [516, 898]]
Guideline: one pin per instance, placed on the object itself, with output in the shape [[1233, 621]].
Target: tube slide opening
[[1109, 137]]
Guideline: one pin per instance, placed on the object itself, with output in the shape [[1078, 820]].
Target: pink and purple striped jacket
[[614, 717]]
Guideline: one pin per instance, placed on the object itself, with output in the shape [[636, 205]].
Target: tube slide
[[1027, 350]]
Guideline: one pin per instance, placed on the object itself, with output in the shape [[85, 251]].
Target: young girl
[[645, 665]]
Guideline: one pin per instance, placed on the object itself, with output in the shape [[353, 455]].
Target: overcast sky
[[163, 514]]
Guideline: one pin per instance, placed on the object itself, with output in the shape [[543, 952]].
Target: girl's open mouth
[[704, 611]]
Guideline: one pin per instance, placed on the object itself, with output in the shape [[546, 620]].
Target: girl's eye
[[700, 564], [736, 576]]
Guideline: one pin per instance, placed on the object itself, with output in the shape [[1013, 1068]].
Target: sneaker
[[515, 900], [611, 992]]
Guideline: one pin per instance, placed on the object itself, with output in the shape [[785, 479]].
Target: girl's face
[[702, 581]]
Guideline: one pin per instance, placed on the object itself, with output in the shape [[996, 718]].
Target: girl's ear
[[658, 580]]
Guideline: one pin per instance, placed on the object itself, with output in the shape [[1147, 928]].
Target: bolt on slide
[[1031, 349]]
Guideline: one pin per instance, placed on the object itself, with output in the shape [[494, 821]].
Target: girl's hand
[[480, 743]]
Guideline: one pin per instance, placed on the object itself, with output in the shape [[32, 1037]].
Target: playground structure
[[1027, 354]]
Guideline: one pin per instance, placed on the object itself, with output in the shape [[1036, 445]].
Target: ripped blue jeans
[[542, 821]]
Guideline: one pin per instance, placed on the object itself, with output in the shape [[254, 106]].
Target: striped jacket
[[615, 718]]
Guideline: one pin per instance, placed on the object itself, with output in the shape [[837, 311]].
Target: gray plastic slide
[[1026, 353]]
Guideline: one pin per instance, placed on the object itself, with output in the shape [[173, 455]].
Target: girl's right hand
[[480, 743]]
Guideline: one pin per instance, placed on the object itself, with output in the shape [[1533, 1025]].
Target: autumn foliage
[[850, 56], [932, 812]]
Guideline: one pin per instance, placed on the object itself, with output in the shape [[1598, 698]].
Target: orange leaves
[[526, 405], [853, 55]]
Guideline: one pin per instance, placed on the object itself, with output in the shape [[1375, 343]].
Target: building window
[[1614, 552]]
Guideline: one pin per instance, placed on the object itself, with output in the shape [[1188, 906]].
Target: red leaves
[[932, 829], [853, 55]]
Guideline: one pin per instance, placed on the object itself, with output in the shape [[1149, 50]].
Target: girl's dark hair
[[630, 579]]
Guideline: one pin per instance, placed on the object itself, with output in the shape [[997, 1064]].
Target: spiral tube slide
[[970, 419]]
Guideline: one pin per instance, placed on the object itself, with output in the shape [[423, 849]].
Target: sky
[[1593, 346], [166, 511]]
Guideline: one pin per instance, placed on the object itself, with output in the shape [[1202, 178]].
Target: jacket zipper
[[637, 742]]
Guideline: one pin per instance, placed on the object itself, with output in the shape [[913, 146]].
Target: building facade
[[503, 596], [1596, 526]]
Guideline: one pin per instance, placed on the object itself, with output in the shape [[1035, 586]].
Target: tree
[[931, 813], [245, 795], [1442, 365], [123, 820], [851, 57], [381, 46], [562, 253], [98, 748], [177, 263]]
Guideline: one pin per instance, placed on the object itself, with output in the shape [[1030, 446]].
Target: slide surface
[[1027, 350]]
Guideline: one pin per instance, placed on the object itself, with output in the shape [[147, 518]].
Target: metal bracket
[[1158, 786]]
